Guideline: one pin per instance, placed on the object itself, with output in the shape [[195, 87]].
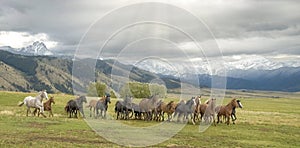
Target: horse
[[148, 106], [233, 116], [202, 108], [92, 105], [137, 111], [102, 105], [166, 108], [75, 105], [185, 109], [197, 109], [47, 107], [122, 108], [209, 114], [227, 110], [35, 102]]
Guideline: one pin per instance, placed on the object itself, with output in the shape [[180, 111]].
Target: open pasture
[[263, 122]]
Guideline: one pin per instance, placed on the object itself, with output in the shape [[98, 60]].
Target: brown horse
[[197, 110], [47, 107], [202, 108], [166, 108], [226, 110]]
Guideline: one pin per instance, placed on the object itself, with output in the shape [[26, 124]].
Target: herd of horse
[[193, 110], [147, 109]]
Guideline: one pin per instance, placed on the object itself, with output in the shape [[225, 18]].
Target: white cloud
[[240, 26], [22, 39]]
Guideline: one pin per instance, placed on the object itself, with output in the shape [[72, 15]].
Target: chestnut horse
[[47, 107], [227, 110], [166, 108]]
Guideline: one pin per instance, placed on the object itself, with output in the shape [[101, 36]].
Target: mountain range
[[34, 73], [35, 67]]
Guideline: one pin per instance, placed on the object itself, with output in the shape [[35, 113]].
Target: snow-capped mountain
[[247, 63], [246, 72], [37, 48]]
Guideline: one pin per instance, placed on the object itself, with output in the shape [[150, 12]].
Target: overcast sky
[[240, 27]]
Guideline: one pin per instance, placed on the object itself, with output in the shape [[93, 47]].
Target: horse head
[[171, 106], [52, 100], [234, 103], [239, 103], [43, 94], [107, 99], [128, 100], [83, 99], [191, 102]]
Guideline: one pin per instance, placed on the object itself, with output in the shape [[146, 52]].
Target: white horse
[[35, 102]]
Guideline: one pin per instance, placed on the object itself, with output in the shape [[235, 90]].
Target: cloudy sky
[[269, 28]]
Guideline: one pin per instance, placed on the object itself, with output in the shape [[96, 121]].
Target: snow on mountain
[[37, 48], [244, 66]]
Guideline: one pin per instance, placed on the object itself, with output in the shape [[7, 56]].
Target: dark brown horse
[[226, 110], [75, 105], [47, 107]]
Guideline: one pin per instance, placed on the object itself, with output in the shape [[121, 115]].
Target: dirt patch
[[6, 112], [68, 140], [36, 125]]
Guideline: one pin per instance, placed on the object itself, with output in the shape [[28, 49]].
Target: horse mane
[[231, 103], [170, 103], [102, 99]]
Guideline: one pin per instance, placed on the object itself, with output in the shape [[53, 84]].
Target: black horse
[[102, 105], [233, 116], [123, 108], [75, 105]]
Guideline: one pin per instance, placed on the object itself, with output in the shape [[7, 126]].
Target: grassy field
[[263, 122]]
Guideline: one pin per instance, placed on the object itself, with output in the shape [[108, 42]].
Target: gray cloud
[[240, 27]]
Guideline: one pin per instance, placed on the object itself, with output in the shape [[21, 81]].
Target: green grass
[[263, 122]]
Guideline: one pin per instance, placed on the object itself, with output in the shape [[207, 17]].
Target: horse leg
[[90, 111], [81, 111], [28, 109], [233, 117], [192, 118], [214, 119], [228, 120], [42, 111], [117, 115]]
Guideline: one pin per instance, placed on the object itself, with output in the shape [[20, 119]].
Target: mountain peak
[[38, 43], [37, 48]]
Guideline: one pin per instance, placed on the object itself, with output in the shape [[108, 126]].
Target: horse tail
[[20, 104]]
